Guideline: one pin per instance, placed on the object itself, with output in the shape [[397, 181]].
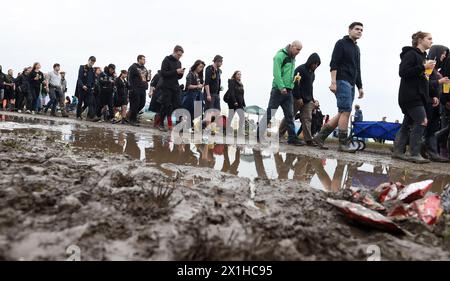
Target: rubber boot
[[343, 143], [401, 140], [415, 145], [320, 138]]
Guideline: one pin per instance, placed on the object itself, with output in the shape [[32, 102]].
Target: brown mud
[[120, 193]]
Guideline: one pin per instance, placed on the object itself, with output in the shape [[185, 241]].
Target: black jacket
[[169, 73], [414, 85], [138, 77], [346, 59], [304, 89], [235, 94], [2, 78], [86, 77], [122, 87], [9, 80], [22, 83], [107, 82]]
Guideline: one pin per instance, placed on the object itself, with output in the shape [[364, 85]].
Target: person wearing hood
[[438, 53], [2, 85], [107, 87], [171, 72], [304, 96], [413, 97], [345, 70], [281, 94], [22, 88], [236, 102], [138, 78]]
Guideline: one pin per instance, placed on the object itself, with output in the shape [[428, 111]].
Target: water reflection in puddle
[[326, 174]]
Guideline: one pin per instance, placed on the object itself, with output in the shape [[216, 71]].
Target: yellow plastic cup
[[446, 88]]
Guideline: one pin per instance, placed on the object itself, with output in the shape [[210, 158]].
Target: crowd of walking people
[[120, 96]]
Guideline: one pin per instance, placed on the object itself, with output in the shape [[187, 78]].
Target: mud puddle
[[329, 175]]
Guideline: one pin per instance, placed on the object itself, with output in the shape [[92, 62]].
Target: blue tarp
[[377, 130]]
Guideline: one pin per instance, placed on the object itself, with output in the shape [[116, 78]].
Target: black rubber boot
[[401, 140], [415, 145], [320, 138]]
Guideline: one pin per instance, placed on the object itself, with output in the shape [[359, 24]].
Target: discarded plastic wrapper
[[401, 211], [366, 199], [388, 191], [428, 209], [363, 215], [415, 191]]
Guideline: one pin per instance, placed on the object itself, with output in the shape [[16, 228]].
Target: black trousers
[[32, 96], [86, 100], [137, 103], [20, 98], [107, 99], [170, 101]]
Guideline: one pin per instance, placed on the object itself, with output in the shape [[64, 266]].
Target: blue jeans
[[345, 95], [54, 95], [286, 102]]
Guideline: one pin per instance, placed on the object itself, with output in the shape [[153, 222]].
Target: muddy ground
[[112, 207]]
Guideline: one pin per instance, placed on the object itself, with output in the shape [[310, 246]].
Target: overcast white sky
[[246, 33]]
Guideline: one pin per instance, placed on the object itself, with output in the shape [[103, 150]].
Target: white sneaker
[[33, 113], [19, 111], [28, 112]]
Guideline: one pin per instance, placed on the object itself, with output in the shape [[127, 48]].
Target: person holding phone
[[171, 72]]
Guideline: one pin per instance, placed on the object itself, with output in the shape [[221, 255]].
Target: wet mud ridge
[[113, 207]]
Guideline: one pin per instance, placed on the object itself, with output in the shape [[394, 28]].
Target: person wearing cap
[[85, 88], [213, 83], [107, 84]]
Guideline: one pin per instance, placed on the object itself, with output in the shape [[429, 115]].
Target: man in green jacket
[[281, 94]]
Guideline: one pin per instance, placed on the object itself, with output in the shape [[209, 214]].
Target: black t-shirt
[[192, 79], [36, 79], [212, 79]]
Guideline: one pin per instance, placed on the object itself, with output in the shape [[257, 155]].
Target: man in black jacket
[[138, 77], [304, 96], [85, 89], [171, 72], [345, 74]]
